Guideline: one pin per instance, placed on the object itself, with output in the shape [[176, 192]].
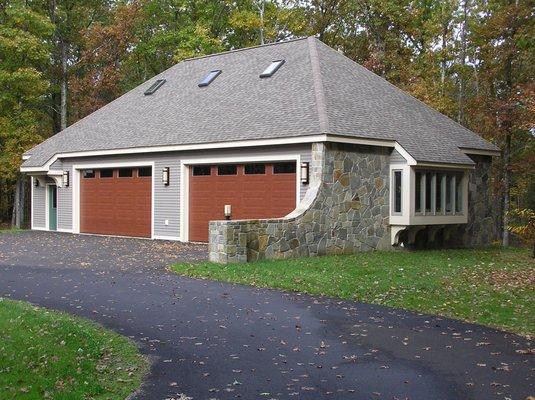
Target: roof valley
[[318, 86]]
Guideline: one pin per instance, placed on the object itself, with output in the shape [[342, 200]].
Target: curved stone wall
[[345, 210]]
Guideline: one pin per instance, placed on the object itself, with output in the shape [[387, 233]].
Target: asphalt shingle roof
[[317, 90]]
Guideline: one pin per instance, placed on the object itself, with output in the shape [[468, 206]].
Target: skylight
[[154, 87], [209, 77], [273, 67]]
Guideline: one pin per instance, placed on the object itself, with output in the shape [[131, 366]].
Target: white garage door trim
[[184, 179], [75, 182]]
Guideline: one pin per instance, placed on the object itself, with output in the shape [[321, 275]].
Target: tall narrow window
[[397, 192], [458, 193], [449, 193], [428, 192], [418, 192], [439, 207]]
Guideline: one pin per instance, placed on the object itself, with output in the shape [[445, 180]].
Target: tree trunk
[[261, 9], [443, 58], [18, 204], [63, 106], [506, 189], [460, 99]]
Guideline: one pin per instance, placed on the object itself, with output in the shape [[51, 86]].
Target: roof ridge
[[242, 49], [318, 85]]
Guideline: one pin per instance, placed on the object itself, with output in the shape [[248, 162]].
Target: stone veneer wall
[[483, 210], [345, 210]]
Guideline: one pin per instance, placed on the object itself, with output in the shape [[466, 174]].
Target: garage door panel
[[116, 206], [251, 196]]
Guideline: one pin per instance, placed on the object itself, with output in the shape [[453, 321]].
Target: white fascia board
[[211, 146], [185, 147], [405, 154]]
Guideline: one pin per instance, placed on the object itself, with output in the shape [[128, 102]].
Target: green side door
[[52, 208]]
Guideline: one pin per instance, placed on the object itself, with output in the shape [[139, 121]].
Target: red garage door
[[116, 201], [265, 190]]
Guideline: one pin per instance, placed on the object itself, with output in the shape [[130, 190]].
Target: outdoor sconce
[[165, 176], [66, 179], [304, 173], [228, 211], [35, 182]]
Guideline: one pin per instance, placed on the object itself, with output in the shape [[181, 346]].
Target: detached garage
[[291, 128], [116, 201]]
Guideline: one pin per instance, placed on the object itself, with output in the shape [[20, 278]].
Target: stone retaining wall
[[345, 210]]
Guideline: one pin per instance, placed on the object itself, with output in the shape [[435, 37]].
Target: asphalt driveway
[[210, 340]]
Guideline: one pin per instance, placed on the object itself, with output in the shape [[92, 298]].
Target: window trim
[[393, 191]]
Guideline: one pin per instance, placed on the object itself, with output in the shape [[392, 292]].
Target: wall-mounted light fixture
[[66, 180], [305, 173], [35, 182], [228, 211], [165, 176]]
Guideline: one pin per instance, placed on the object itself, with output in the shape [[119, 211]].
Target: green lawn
[[492, 286], [10, 230], [51, 355]]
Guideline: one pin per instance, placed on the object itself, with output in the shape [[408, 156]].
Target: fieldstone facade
[[483, 210], [345, 210]]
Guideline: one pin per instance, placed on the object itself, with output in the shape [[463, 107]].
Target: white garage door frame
[[184, 179], [75, 182]]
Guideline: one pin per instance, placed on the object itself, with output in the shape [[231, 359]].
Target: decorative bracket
[[395, 231], [57, 176]]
